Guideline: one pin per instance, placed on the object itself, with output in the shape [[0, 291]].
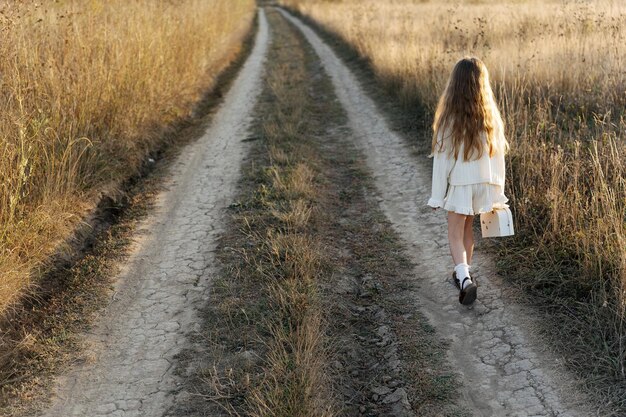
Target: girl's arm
[[442, 165]]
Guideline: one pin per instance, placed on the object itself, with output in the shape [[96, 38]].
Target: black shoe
[[468, 294], [457, 283]]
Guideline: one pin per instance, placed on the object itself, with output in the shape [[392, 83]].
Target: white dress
[[474, 198], [468, 187]]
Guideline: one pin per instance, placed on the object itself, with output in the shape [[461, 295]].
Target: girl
[[468, 150]]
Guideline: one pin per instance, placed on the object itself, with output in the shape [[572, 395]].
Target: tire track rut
[[128, 368], [504, 371]]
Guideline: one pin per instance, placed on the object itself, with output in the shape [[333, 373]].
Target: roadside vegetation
[[88, 103], [87, 91], [557, 71]]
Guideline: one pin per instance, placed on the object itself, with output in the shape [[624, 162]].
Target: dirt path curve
[[503, 371], [130, 370]]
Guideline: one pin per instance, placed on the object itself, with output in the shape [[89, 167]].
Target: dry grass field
[[558, 72], [87, 91]]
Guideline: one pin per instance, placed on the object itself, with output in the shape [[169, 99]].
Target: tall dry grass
[[558, 72], [87, 90]]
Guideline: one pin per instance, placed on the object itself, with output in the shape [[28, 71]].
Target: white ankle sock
[[462, 272]]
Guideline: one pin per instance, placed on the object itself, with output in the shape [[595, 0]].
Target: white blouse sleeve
[[442, 166]]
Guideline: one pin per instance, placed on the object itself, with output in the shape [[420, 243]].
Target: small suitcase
[[497, 223]]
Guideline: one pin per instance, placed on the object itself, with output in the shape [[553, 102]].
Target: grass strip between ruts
[[312, 314]]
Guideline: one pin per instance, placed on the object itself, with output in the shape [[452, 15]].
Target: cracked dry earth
[[130, 369], [503, 370]]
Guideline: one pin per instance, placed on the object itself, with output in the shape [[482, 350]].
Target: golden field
[[557, 69], [87, 90]]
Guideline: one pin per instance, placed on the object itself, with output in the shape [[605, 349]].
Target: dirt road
[[502, 372], [503, 369], [129, 366]]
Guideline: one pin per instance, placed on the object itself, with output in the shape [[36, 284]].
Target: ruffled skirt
[[474, 198]]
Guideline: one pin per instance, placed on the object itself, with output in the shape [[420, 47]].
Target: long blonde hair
[[466, 109]]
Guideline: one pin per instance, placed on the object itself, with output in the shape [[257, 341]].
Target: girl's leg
[[456, 232], [468, 238], [457, 226]]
